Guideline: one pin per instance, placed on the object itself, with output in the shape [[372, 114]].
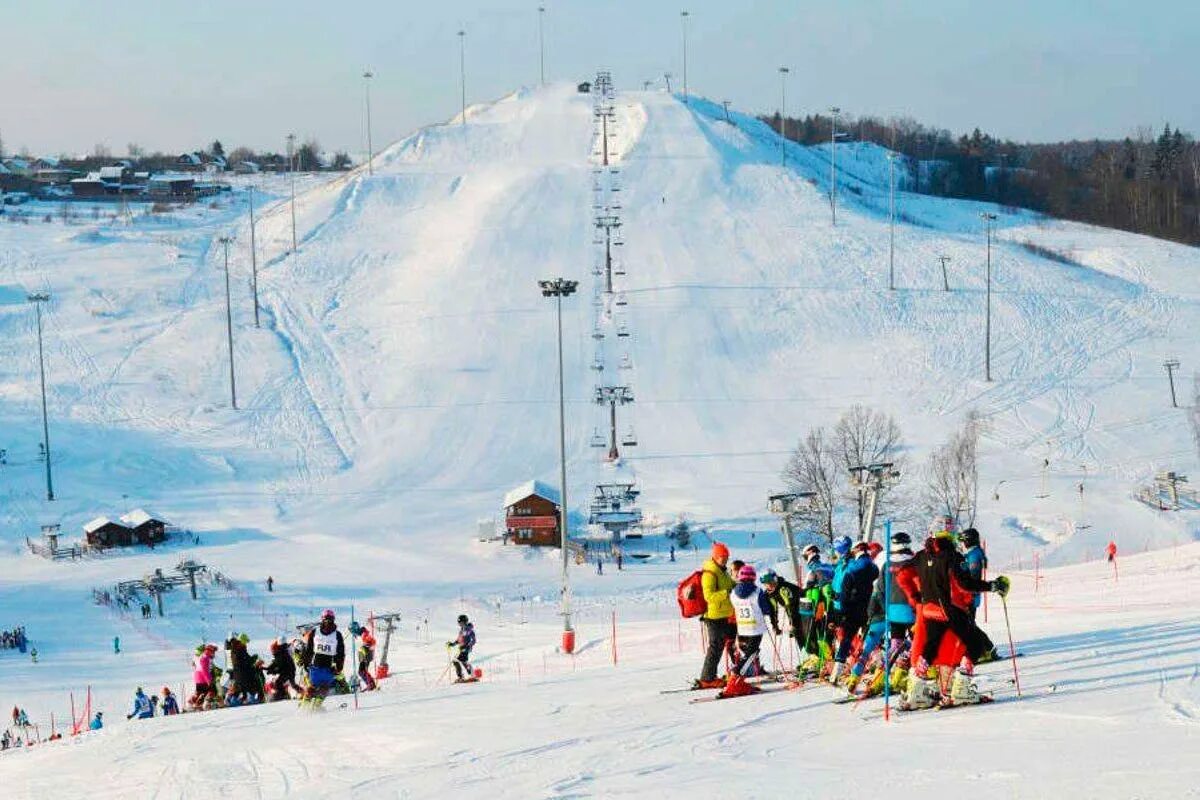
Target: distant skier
[[141, 706], [324, 656], [366, 654], [116, 644], [270, 584], [33, 654], [465, 642], [751, 609], [170, 706], [97, 721], [1111, 551]]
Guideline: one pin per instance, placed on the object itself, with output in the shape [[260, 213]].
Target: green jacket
[[717, 584]]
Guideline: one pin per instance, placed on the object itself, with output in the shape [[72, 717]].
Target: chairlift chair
[[630, 440], [622, 331], [597, 439], [598, 364], [621, 301], [597, 333], [626, 362]]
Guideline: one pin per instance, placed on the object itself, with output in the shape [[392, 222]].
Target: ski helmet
[[874, 548], [900, 537], [810, 552], [462, 619], [841, 545], [747, 573], [970, 537], [327, 614], [768, 577]]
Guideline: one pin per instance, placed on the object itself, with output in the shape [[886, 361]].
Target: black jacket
[[786, 596], [334, 662], [945, 579], [282, 666]]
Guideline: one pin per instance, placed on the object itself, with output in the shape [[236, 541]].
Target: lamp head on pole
[[39, 297], [558, 287]]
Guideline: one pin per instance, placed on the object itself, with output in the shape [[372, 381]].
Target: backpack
[[690, 595]]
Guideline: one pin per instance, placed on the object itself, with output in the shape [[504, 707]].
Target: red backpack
[[690, 595]]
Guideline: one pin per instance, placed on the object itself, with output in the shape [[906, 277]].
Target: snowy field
[[402, 379]]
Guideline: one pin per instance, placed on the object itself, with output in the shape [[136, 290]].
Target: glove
[[1001, 586]]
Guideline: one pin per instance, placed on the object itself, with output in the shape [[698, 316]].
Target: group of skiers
[[146, 706], [852, 622], [14, 639]]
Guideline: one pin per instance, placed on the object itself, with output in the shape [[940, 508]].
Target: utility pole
[[225, 240], [833, 112], [37, 299], [891, 157], [462, 71], [541, 46], [558, 288], [988, 219], [291, 147], [367, 75], [683, 19], [1171, 365], [253, 258], [725, 105], [783, 73], [945, 277]]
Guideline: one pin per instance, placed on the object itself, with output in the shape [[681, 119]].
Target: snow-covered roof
[[96, 524], [139, 516], [543, 490], [170, 177], [48, 161], [111, 172], [189, 158]]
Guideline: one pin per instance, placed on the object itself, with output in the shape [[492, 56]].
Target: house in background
[[103, 532], [146, 529], [531, 515]]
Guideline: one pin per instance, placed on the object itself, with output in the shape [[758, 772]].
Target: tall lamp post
[[291, 149], [370, 150], [541, 47], [783, 73], [683, 19], [225, 240], [833, 112], [462, 71], [891, 157], [37, 299], [558, 288], [253, 257], [988, 218]]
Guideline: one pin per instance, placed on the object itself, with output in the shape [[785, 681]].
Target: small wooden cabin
[[531, 515], [146, 528], [103, 532]]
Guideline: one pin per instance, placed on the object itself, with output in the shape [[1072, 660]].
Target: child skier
[[170, 706], [141, 706], [366, 654], [464, 642], [976, 563], [324, 656], [283, 667], [751, 607]]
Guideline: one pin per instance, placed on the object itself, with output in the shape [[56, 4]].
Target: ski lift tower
[[785, 506], [389, 622], [613, 396], [613, 509], [870, 480], [608, 223]]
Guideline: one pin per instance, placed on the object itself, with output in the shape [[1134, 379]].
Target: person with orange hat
[[718, 617], [366, 654]]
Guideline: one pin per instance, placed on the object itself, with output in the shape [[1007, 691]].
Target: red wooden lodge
[[531, 515]]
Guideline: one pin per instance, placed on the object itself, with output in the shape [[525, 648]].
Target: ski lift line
[[865, 290]]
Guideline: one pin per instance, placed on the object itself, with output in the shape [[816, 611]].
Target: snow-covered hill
[[404, 374]]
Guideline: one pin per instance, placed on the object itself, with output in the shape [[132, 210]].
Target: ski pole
[[775, 646], [1012, 650], [887, 629]]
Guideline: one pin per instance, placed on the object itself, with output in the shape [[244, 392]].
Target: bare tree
[[813, 467], [952, 475], [864, 436]]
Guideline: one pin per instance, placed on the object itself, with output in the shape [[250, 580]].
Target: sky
[[174, 75]]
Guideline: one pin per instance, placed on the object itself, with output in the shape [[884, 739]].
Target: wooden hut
[[103, 532], [532, 516]]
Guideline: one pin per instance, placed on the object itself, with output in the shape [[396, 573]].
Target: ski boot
[[835, 674], [738, 687], [962, 690], [715, 683], [922, 690], [809, 668], [989, 656]]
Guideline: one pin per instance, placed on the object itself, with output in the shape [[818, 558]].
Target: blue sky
[[169, 74]]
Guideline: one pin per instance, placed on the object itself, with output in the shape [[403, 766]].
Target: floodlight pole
[[1171, 365], [683, 19], [462, 71], [833, 163], [367, 75], [37, 299], [291, 147], [988, 219], [945, 277], [225, 240], [558, 288], [783, 73], [253, 258], [541, 46], [892, 221]]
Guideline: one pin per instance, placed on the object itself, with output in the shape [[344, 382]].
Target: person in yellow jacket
[[718, 619]]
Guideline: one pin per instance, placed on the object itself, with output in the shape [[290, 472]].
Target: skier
[[976, 563], [170, 706], [366, 654], [116, 644], [202, 674], [946, 593], [33, 654], [718, 616], [244, 684], [751, 609], [852, 596], [97, 721], [141, 706], [465, 642], [324, 656], [785, 597], [283, 667], [270, 584], [1111, 551]]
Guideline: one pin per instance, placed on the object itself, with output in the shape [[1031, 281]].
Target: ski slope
[[1110, 708], [403, 379]]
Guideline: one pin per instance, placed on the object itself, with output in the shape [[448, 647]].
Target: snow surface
[[403, 379]]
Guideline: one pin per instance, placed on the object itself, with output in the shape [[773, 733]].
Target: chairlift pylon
[[626, 362]]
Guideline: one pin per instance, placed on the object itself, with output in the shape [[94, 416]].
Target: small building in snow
[[146, 529], [168, 186], [103, 532], [531, 515]]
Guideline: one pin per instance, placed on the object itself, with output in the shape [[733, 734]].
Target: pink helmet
[[327, 614], [747, 573]]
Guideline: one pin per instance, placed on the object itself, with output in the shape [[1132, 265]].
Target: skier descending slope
[[324, 656], [751, 609], [465, 642], [946, 594]]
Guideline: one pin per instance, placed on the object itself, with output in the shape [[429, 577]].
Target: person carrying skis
[[170, 706], [283, 667], [718, 618], [141, 706], [751, 609], [852, 597], [366, 654], [465, 642], [324, 656], [975, 560], [946, 593]]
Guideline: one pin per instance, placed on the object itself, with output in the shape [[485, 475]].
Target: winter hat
[[874, 548], [901, 542], [970, 537], [747, 573], [860, 547], [841, 545], [720, 552], [327, 614]]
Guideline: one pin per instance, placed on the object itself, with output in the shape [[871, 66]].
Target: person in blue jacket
[[141, 706], [841, 551], [97, 721], [853, 595], [975, 561]]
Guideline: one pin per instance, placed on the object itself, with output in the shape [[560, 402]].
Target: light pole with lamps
[[783, 73], [541, 46], [37, 299], [367, 75], [558, 288], [988, 218], [683, 19], [462, 71]]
